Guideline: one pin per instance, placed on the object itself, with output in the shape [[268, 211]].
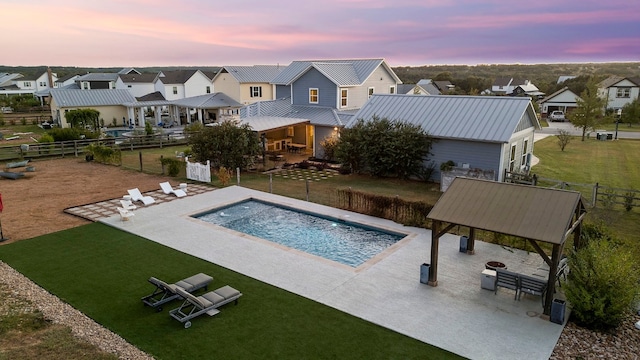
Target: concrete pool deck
[[457, 315]]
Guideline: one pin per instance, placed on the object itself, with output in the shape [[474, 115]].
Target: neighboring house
[[338, 84], [564, 78], [411, 89], [564, 100], [180, 84], [619, 91], [129, 71], [429, 86], [507, 85], [527, 90], [109, 102], [247, 84], [17, 84], [97, 81], [445, 86], [479, 132], [209, 108], [69, 80], [140, 84]]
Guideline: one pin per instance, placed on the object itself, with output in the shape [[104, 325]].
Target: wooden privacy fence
[[412, 213]]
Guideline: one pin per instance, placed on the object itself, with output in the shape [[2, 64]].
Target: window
[[392, 89], [255, 91], [208, 90], [175, 90], [623, 92], [85, 85], [512, 158], [313, 95], [371, 92], [343, 97], [27, 84], [129, 86], [525, 147], [42, 83]]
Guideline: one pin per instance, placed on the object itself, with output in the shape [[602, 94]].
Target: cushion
[[227, 292], [213, 297]]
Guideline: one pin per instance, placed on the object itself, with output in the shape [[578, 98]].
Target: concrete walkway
[[457, 315]]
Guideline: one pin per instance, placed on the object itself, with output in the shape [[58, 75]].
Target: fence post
[[270, 183], [238, 175], [62, 148], [307, 184], [75, 148], [595, 195], [140, 157], [162, 163], [535, 180]]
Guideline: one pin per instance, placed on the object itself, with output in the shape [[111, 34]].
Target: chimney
[[50, 76]]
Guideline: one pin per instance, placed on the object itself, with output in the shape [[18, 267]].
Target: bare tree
[[563, 138]]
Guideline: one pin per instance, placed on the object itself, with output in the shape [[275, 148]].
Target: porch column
[[157, 110], [551, 282], [141, 116], [200, 115], [435, 240], [471, 242], [130, 115]]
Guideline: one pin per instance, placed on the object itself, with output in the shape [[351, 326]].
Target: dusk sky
[[119, 33]]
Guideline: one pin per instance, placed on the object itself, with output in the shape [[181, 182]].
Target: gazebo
[[534, 213]]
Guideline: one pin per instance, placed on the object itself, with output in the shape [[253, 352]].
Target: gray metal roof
[[479, 118], [82, 98], [252, 74], [317, 115], [265, 123], [341, 72], [177, 76], [208, 101], [526, 211], [139, 78], [98, 77]]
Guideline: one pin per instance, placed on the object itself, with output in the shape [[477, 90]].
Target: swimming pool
[[348, 243]]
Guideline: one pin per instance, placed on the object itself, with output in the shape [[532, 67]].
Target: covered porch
[[539, 215]]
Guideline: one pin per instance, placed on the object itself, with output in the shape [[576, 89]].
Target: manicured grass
[[103, 272]]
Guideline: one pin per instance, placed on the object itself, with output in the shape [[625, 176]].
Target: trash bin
[[463, 243], [424, 273], [557, 311]]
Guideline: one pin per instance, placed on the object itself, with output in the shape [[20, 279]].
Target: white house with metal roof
[[109, 102], [247, 84], [140, 84], [479, 132], [180, 84], [619, 91], [564, 100]]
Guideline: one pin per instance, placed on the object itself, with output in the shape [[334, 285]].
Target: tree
[[563, 138], [631, 113], [383, 147], [83, 118], [228, 145], [590, 110]]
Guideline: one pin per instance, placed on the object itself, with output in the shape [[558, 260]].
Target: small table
[[127, 197]]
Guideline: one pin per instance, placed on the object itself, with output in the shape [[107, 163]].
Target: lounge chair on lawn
[[11, 175], [167, 292], [208, 303], [168, 189], [137, 196]]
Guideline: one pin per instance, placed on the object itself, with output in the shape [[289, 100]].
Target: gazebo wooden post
[[551, 281], [471, 242], [435, 240]]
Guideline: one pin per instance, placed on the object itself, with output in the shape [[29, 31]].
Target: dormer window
[[371, 90], [343, 97], [313, 95], [255, 91]]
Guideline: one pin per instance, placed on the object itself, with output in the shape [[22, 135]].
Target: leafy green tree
[[383, 147], [602, 285], [228, 145], [631, 113], [590, 110], [83, 118]]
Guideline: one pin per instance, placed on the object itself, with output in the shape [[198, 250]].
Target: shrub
[[104, 154], [173, 165], [224, 175], [23, 121], [45, 142], [68, 134], [602, 285], [629, 197]]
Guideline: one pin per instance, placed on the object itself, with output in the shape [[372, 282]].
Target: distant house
[[17, 84], [66, 81], [445, 86], [429, 87], [507, 85], [109, 102], [564, 100], [180, 84], [97, 81], [478, 132], [411, 89], [247, 84], [619, 91], [564, 78], [140, 84]]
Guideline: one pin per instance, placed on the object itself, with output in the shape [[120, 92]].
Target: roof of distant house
[[139, 78], [102, 97], [252, 74], [177, 76], [98, 77], [207, 101], [341, 72], [154, 96]]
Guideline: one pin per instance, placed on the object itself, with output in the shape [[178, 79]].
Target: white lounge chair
[[206, 304], [137, 196], [168, 189], [125, 214], [127, 205]]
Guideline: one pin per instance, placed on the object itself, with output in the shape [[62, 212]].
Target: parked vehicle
[[556, 116], [6, 110]]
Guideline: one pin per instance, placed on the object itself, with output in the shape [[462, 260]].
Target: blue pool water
[[347, 243], [116, 132]]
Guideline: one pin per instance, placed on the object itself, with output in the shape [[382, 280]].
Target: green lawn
[[103, 271]]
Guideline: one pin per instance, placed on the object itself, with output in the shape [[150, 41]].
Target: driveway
[[554, 127]]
